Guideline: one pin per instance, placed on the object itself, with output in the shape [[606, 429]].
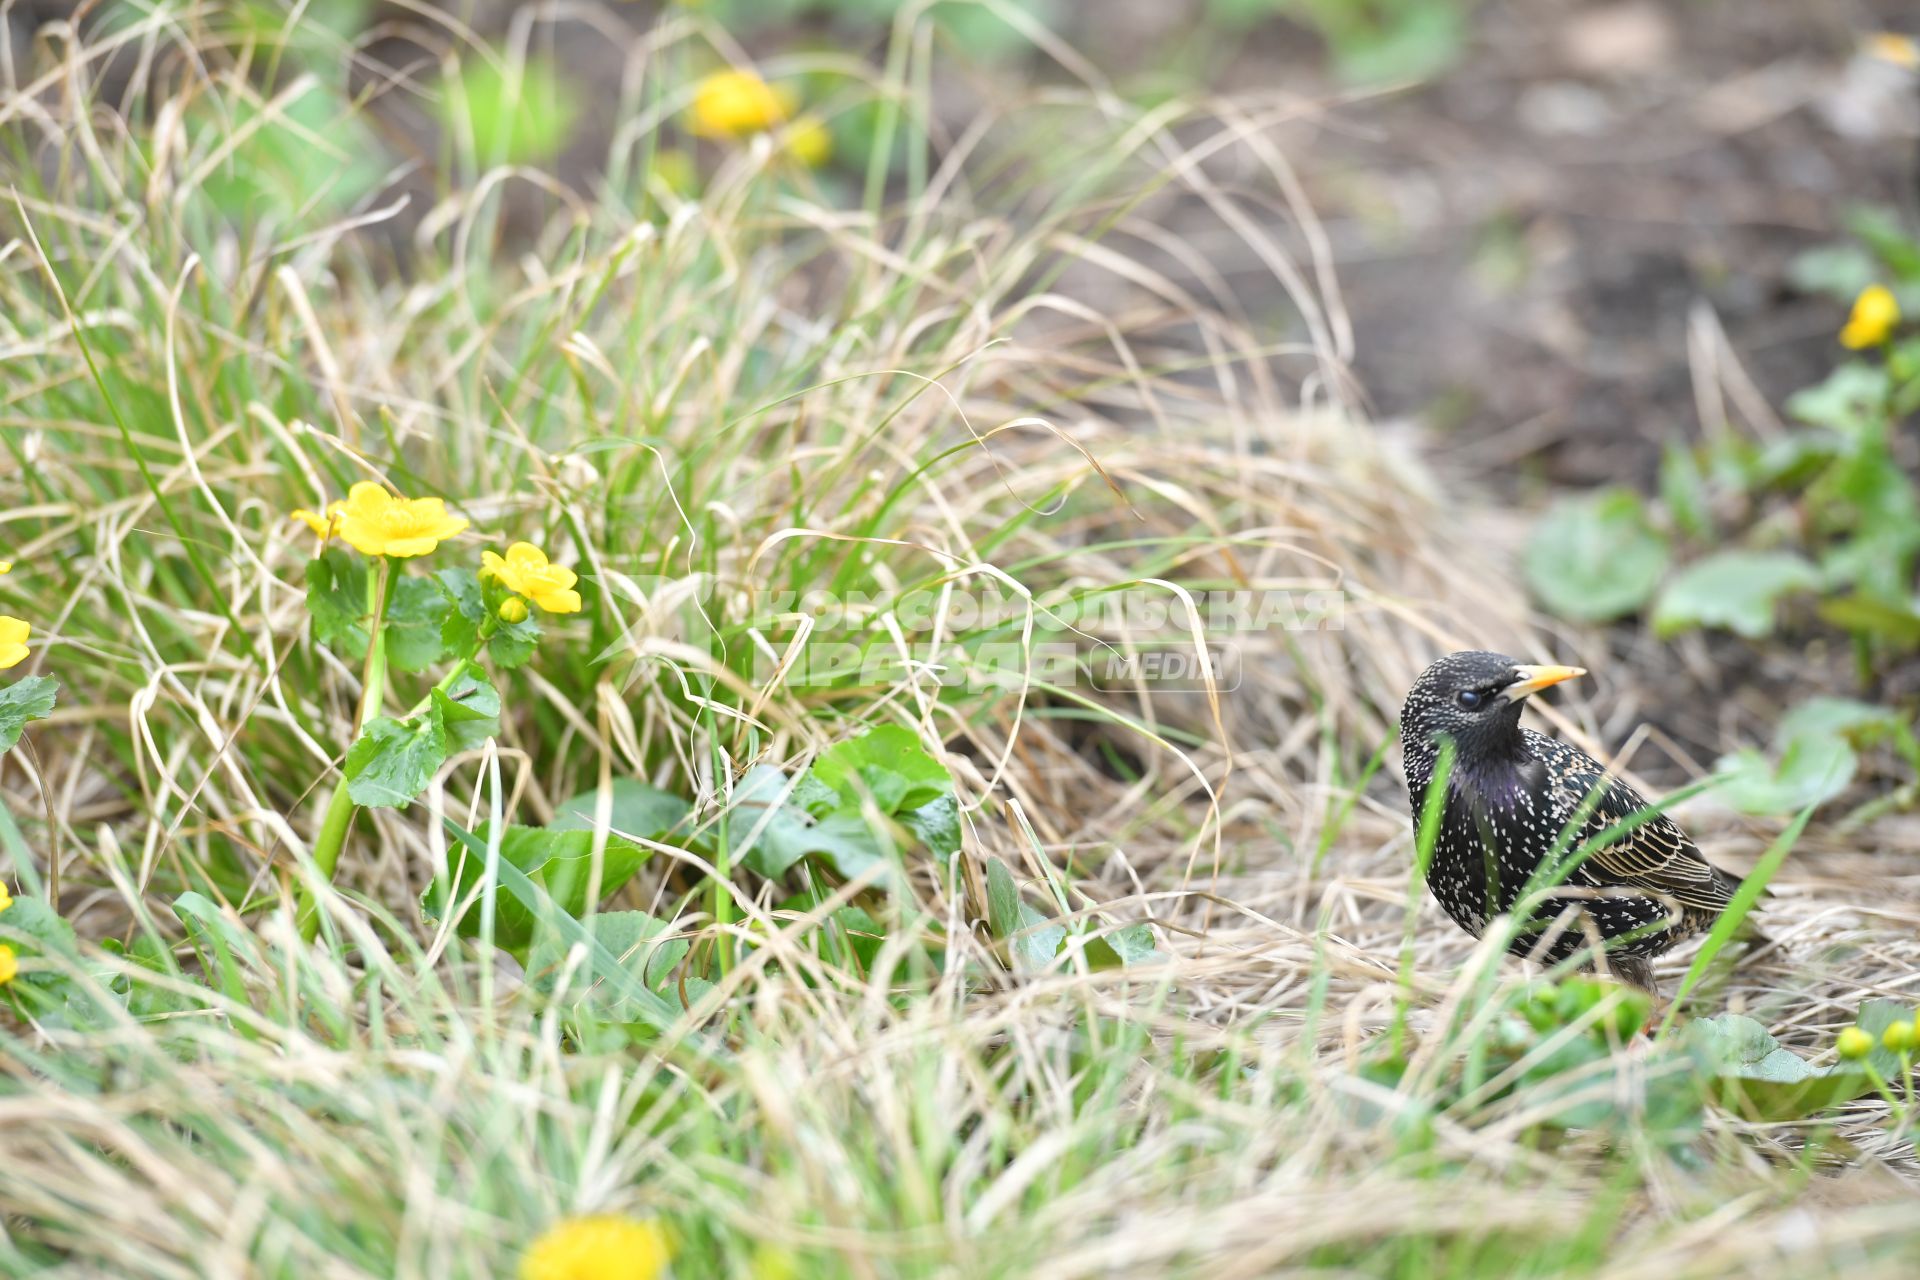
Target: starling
[[1510, 795]]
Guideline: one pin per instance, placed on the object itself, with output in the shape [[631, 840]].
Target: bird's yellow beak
[[1533, 679]]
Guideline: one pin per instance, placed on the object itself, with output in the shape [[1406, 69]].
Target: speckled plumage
[[1511, 793]]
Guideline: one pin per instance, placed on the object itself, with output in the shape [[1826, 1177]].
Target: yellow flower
[[6, 566], [525, 572], [6, 899], [13, 641], [1854, 1043], [323, 526], [810, 142], [1875, 313], [375, 523], [597, 1248], [9, 964], [732, 104], [513, 609], [1890, 46]]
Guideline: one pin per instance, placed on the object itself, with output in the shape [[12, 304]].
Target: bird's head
[[1474, 698]]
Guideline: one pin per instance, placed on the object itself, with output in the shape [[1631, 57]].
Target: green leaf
[[515, 113], [633, 809], [1852, 400], [1749, 1073], [337, 601], [1861, 722], [786, 835], [1736, 590], [535, 903], [1875, 1017], [1811, 770], [1129, 946], [1394, 43], [560, 862], [22, 701], [1683, 488], [511, 644], [1840, 271], [1032, 942], [634, 939], [1595, 557], [392, 761], [937, 824], [889, 764], [469, 709], [34, 929], [308, 159], [815, 796], [863, 933], [415, 619], [1813, 746], [1893, 623], [1884, 232]]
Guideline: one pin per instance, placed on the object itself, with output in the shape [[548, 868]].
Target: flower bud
[[1854, 1044], [513, 609], [1901, 1037]]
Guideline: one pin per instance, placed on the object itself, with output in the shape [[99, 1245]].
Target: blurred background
[[1584, 253], [1540, 211]]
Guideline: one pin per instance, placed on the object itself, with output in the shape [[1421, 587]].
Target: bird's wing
[[1656, 855]]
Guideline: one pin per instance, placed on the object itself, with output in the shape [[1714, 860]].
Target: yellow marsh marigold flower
[[733, 104], [1890, 46], [13, 641], [597, 1248], [6, 899], [525, 572], [810, 142], [6, 566], [9, 964], [375, 523], [323, 526], [1854, 1043], [1875, 313]]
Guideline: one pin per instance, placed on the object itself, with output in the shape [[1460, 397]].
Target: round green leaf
[[1735, 590], [1595, 557]]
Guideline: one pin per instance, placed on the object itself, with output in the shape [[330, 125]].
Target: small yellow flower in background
[[733, 104], [1901, 1037], [1872, 321], [810, 142], [525, 572], [323, 526], [6, 566], [1854, 1043], [6, 899], [513, 609], [597, 1248], [13, 641], [9, 964], [1891, 46], [375, 523]]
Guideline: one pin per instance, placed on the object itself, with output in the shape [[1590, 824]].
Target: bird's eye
[[1468, 699]]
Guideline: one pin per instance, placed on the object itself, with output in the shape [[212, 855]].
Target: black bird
[[1512, 792]]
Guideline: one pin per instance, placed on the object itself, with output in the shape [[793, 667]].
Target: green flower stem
[[338, 818], [339, 815]]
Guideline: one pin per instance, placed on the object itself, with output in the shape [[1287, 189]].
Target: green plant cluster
[[1561, 1047], [1810, 529]]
